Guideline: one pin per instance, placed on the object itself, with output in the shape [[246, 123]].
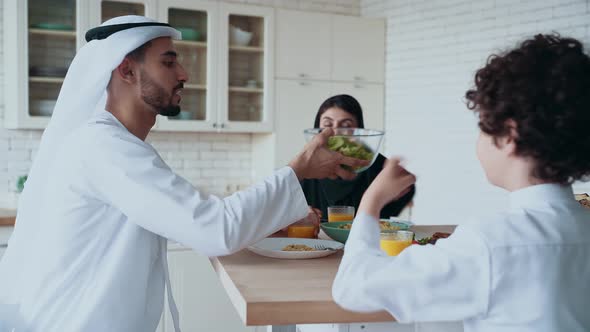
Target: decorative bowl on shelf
[[239, 37], [52, 26], [183, 115], [189, 33], [358, 143], [42, 107], [47, 71]]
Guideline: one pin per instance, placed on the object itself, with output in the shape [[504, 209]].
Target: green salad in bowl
[[357, 143]]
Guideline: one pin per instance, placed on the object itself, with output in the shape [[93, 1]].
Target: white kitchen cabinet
[[370, 96], [201, 299], [330, 47], [39, 44], [198, 55], [358, 45], [296, 106], [246, 72], [230, 85], [304, 48], [2, 250]]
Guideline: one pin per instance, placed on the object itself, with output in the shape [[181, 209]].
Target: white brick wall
[[433, 50], [215, 163]]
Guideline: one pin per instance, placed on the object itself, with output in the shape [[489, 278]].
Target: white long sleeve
[[136, 181], [449, 281]]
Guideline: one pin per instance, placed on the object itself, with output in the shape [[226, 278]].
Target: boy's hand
[[392, 182]]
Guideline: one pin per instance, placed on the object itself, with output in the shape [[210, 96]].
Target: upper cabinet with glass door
[[37, 55], [196, 53], [246, 76], [103, 10]]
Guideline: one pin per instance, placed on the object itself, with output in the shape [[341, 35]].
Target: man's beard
[[155, 96]]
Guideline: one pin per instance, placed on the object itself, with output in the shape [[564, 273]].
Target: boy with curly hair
[[524, 269]]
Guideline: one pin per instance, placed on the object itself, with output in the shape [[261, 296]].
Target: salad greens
[[350, 148]]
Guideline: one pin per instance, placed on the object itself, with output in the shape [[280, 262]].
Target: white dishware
[[273, 247], [238, 36]]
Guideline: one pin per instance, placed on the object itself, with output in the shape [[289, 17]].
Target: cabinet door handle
[[303, 83], [358, 78], [302, 75], [222, 125], [358, 86], [215, 125]]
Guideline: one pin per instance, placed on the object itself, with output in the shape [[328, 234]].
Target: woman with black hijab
[[344, 111]]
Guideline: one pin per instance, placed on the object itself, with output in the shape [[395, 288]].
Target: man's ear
[[127, 71]]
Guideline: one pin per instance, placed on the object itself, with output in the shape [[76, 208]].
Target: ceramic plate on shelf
[[52, 26], [274, 247]]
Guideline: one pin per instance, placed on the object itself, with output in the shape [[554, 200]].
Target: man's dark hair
[[344, 102], [544, 87], [138, 54]]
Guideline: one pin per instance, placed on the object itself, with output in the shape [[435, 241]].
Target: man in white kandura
[[89, 249]]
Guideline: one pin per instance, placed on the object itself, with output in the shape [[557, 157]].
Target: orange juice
[[301, 231], [393, 243], [340, 213], [340, 217]]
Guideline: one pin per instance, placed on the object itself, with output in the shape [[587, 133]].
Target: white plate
[[273, 247]]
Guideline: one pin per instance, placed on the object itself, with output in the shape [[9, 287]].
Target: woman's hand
[[392, 182]]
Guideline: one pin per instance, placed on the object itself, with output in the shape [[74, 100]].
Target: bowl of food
[[338, 231], [358, 143], [238, 36]]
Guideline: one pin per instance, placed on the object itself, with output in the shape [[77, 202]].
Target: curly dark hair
[[544, 87]]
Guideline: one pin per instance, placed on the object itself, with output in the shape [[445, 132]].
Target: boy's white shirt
[[522, 270]]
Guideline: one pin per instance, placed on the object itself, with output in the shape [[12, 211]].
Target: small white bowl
[[239, 37], [42, 107]]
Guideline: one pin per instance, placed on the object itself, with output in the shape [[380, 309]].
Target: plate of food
[[295, 248]]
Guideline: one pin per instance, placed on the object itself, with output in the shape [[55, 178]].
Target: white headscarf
[[83, 91]]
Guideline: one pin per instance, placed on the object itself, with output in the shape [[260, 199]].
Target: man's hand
[[392, 182], [316, 161]]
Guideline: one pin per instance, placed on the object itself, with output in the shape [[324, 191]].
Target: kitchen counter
[[268, 291], [7, 217]]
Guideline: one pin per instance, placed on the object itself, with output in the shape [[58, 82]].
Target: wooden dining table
[[270, 291]]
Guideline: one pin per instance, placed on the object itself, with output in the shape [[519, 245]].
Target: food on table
[[297, 247], [432, 239], [384, 225], [583, 199], [350, 148]]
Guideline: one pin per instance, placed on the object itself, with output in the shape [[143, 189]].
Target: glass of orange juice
[[340, 213], [394, 242], [304, 228]]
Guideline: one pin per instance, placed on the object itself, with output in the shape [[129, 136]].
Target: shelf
[[245, 89], [247, 49], [195, 87], [57, 33], [44, 79], [189, 43]]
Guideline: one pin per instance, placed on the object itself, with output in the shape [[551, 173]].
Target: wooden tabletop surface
[[269, 291], [7, 217]]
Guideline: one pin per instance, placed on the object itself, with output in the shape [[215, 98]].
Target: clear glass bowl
[[352, 142]]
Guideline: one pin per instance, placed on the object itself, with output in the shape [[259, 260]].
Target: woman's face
[[335, 117]]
